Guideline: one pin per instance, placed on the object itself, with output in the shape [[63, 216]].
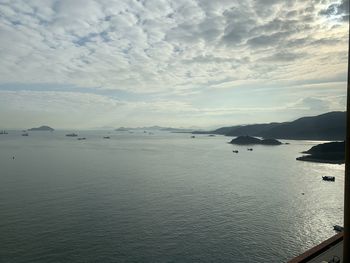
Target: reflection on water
[[160, 198]]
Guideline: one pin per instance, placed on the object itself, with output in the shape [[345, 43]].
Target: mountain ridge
[[327, 126]]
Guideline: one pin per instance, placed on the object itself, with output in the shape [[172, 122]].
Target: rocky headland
[[331, 152]]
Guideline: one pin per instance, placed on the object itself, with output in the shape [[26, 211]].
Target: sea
[[161, 197]]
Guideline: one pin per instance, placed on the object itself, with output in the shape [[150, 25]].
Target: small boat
[[81, 138], [193, 136], [25, 134], [235, 151], [250, 149], [328, 178], [106, 137], [72, 134], [338, 228], [211, 135]]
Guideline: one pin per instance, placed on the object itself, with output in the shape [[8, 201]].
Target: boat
[[72, 134], [25, 134], [193, 136], [328, 178], [106, 137], [250, 149], [3, 132], [235, 151], [81, 138], [338, 228]]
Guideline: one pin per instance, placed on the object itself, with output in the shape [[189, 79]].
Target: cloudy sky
[[183, 63]]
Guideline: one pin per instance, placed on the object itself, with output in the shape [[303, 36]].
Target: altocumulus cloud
[[179, 52]]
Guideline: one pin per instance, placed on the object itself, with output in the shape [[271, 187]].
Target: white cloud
[[171, 48]]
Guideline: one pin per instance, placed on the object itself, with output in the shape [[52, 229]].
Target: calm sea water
[[160, 198]]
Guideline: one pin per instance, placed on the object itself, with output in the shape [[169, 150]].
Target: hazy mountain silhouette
[[328, 126]]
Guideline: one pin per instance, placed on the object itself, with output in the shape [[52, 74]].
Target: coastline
[[310, 158]]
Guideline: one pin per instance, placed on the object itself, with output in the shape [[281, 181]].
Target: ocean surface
[[161, 197]]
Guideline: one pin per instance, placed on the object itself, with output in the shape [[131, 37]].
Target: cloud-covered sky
[[91, 63]]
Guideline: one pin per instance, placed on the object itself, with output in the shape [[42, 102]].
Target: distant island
[[329, 126], [248, 140], [122, 129], [156, 128], [177, 130], [42, 128], [331, 152]]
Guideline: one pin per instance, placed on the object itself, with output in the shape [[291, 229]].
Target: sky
[[184, 63]]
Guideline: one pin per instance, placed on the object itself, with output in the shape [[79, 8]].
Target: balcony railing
[[330, 250]]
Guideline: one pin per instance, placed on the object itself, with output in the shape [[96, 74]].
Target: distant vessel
[[72, 134], [235, 151], [3, 132], [81, 138], [250, 149], [25, 134], [193, 136], [106, 137], [328, 178]]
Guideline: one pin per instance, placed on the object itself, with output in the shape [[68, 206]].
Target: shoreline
[[310, 158]]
